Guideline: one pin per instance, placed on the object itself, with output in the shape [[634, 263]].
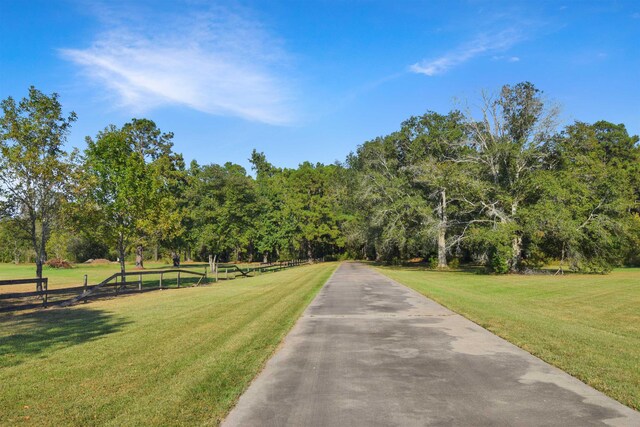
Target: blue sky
[[304, 80]]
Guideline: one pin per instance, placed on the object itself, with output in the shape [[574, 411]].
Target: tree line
[[499, 185]]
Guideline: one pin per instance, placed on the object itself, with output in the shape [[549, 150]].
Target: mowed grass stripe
[[587, 325], [176, 357]]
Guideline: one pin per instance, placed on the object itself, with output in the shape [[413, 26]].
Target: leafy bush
[[433, 262], [499, 257]]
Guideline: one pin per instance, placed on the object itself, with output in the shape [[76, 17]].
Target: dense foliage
[[502, 188], [500, 185]]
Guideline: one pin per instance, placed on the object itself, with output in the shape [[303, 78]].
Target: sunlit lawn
[[174, 357], [588, 325]]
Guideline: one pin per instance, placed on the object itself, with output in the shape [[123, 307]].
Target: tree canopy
[[501, 185], [35, 171]]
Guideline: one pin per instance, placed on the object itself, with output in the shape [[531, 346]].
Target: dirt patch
[[97, 261], [58, 263]]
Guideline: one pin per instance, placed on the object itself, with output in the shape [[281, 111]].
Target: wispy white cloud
[[505, 58], [484, 44], [215, 62]]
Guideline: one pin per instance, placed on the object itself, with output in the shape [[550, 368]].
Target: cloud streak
[[482, 45], [216, 62]]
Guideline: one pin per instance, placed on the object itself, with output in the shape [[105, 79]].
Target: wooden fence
[[130, 282], [114, 285], [231, 271], [37, 298]]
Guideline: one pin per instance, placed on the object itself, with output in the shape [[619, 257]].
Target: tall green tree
[[126, 176], [584, 216], [413, 186], [273, 231], [311, 206], [429, 148], [35, 171], [397, 216], [506, 148], [222, 210]]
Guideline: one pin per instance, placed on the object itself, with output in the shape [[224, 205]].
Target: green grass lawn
[[587, 325], [173, 357]]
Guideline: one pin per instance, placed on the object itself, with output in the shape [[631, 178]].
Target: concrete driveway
[[371, 352]]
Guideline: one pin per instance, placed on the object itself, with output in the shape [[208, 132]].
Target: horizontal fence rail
[[114, 285], [132, 282], [41, 293], [232, 271], [120, 282]]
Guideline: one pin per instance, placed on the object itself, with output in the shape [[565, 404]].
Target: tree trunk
[[36, 249], [560, 267], [265, 257], [516, 251], [155, 252], [121, 257], [516, 244], [442, 231], [139, 257], [39, 273], [43, 242]]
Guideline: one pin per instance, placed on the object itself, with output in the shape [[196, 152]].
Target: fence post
[[205, 275], [140, 282], [161, 274], [84, 291], [178, 278], [226, 273]]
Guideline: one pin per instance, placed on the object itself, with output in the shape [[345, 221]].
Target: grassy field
[[587, 325], [175, 357]]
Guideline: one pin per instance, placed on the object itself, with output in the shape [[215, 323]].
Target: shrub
[[499, 259], [433, 262]]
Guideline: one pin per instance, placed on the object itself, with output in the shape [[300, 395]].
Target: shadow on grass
[[31, 334], [184, 266], [470, 269]]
